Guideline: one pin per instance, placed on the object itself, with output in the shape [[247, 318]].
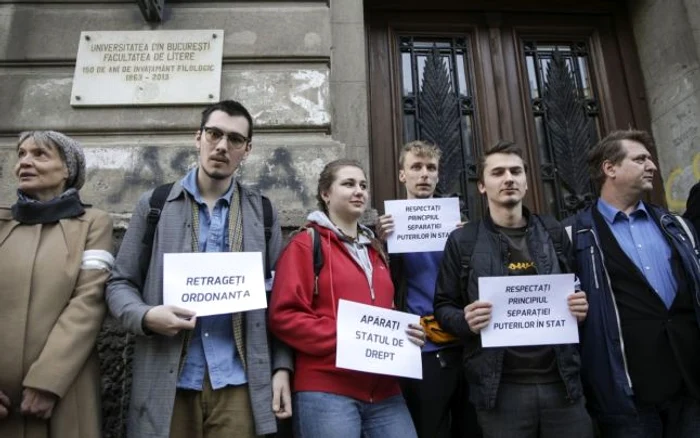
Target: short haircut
[[230, 107], [610, 149], [502, 147], [420, 148]]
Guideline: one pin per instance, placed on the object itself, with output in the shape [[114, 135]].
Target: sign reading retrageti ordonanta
[[148, 68]]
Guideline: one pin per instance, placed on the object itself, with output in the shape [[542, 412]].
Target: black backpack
[[156, 204]]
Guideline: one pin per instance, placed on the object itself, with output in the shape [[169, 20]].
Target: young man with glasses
[[211, 376]]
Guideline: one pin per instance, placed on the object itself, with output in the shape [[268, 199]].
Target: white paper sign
[[421, 225], [528, 310], [374, 340], [213, 283], [154, 67]]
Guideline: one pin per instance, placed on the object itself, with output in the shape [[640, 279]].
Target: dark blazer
[[604, 365]]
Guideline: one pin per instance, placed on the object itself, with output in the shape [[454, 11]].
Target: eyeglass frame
[[207, 130]]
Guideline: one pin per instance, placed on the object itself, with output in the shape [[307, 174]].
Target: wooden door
[[553, 82]]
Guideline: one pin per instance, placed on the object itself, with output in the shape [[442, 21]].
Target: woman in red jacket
[[330, 401]]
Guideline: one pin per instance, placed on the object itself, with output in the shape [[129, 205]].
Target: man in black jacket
[[518, 391]]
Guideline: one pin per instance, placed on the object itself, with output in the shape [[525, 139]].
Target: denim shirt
[[212, 346], [644, 243]]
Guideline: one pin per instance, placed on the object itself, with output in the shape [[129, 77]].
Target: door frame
[[502, 104]]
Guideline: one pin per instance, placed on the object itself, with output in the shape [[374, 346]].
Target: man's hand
[[4, 405], [416, 334], [38, 403], [478, 315], [385, 226], [169, 320], [281, 394], [578, 305]]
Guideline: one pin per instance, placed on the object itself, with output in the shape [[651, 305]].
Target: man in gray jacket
[[211, 376]]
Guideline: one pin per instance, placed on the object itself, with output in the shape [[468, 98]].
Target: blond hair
[[419, 148]]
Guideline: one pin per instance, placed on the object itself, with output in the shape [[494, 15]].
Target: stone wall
[[667, 33], [277, 60], [299, 67]]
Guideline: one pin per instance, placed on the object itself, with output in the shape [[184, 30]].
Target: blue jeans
[[326, 415], [535, 410], [678, 417]]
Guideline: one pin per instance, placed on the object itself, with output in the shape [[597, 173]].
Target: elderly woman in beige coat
[[54, 261]]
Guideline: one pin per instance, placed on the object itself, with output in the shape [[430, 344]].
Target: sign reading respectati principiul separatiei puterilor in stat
[[421, 225]]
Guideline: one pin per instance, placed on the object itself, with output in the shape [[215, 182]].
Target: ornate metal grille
[[438, 106], [565, 111]]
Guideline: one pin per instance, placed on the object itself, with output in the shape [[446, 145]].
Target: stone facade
[[276, 60], [668, 42]]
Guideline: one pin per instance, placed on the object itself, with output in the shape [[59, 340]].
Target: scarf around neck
[[31, 211]]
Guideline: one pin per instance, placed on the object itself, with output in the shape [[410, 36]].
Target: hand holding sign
[[384, 226], [578, 305], [478, 315], [169, 320], [416, 334]]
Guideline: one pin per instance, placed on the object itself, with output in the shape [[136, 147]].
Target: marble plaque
[[165, 67]]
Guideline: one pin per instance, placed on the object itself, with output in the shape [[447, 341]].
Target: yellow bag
[[434, 332]]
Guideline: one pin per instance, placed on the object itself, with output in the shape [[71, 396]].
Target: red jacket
[[307, 323]]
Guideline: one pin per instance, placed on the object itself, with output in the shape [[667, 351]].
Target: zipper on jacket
[[612, 298], [595, 271]]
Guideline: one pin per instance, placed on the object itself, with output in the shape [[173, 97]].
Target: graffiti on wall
[[125, 173], [679, 182], [278, 171], [149, 173]]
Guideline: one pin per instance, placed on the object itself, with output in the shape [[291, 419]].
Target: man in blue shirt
[[640, 345], [211, 376], [438, 403]]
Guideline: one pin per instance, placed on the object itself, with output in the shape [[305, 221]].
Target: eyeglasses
[[233, 139]]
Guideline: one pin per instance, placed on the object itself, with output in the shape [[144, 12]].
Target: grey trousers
[[535, 411]]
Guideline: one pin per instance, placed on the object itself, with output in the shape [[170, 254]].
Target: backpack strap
[[687, 230], [267, 222], [156, 204], [467, 242], [317, 254], [554, 229]]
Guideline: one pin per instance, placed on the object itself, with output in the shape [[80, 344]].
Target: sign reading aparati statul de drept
[[148, 68]]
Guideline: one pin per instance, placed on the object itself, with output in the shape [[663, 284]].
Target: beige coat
[[51, 310]]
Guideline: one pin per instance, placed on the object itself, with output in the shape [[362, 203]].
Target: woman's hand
[[416, 334], [4, 405], [38, 403]]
